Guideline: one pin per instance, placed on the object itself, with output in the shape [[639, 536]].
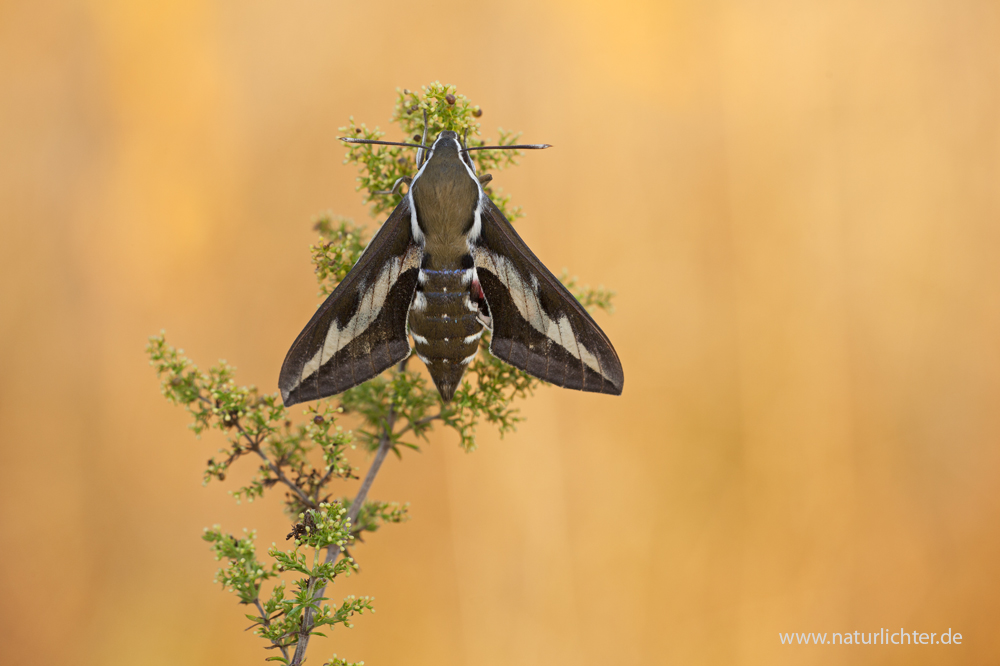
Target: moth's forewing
[[538, 326], [360, 330]]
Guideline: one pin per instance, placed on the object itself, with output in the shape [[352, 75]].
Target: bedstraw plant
[[305, 454]]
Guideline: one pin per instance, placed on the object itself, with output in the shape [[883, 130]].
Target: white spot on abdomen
[[419, 302]]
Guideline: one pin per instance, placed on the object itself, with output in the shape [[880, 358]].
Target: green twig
[[333, 551]]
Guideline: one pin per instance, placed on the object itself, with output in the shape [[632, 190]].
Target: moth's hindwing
[[538, 326], [360, 330]]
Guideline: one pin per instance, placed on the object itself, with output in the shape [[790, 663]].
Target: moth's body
[[444, 319], [443, 265]]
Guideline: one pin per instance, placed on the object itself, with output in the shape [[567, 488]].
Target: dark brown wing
[[538, 326], [360, 330]]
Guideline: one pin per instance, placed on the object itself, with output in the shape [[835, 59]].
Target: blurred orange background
[[797, 202]]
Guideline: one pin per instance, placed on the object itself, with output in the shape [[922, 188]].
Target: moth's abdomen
[[445, 326]]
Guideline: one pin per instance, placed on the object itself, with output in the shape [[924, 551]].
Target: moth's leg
[[402, 179], [485, 178]]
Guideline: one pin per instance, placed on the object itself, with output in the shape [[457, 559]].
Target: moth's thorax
[[445, 196]]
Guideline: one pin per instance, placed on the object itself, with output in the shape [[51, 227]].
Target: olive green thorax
[[445, 196]]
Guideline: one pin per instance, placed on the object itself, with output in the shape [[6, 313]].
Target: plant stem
[[333, 552], [421, 422], [254, 445], [266, 622], [284, 479]]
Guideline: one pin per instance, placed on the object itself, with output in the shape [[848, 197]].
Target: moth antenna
[[350, 139], [528, 146], [423, 140]]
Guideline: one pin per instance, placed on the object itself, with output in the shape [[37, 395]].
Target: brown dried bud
[[417, 138], [318, 420], [477, 112], [357, 130], [449, 98]]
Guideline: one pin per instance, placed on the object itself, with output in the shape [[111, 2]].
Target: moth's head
[[447, 150], [447, 141]]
